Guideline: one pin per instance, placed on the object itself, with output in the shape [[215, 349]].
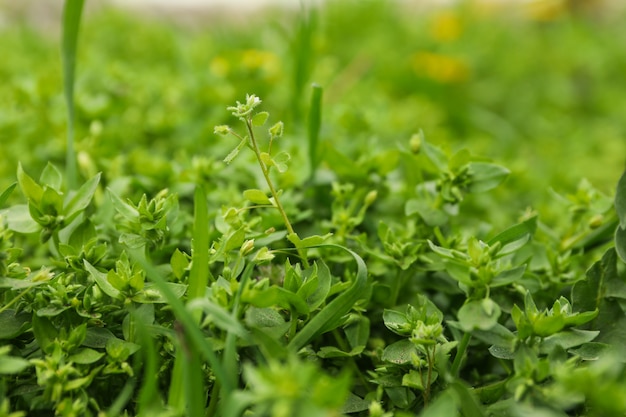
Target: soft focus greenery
[[357, 209]]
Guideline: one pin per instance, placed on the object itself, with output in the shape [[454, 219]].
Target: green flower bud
[[416, 143]]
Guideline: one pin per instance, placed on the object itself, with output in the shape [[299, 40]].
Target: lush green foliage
[[215, 260]]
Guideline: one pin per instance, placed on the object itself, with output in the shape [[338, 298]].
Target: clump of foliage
[[279, 275]]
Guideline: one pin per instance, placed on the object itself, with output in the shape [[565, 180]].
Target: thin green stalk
[[460, 354], [71, 22], [270, 184], [315, 122]]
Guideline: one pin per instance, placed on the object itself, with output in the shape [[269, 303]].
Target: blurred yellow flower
[[446, 27], [256, 59], [545, 10], [438, 67], [219, 66]]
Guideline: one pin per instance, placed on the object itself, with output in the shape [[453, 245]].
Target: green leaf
[[479, 314], [179, 263], [567, 339], [320, 286], [12, 365], [280, 161], [102, 281], [485, 176], [51, 177], [80, 200], [219, 316], [435, 155], [620, 201], [400, 352], [45, 332], [308, 242], [358, 332], [413, 380], [620, 242], [260, 118], [12, 324], [123, 208], [154, 294], [6, 193], [19, 219], [330, 316], [256, 196], [233, 154], [516, 232], [86, 356], [433, 217], [97, 337], [445, 405], [32, 190]]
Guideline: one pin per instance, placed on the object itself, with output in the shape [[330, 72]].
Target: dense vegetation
[[355, 209]]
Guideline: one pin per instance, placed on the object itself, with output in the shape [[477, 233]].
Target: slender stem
[[270, 184], [460, 354]]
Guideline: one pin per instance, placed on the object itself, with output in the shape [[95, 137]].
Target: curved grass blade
[[72, 12], [328, 317]]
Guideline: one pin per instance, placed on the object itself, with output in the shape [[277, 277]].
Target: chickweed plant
[[371, 285]]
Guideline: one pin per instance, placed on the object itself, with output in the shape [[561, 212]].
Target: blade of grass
[[315, 121], [198, 343], [336, 309], [198, 280], [72, 12], [149, 393], [199, 275]]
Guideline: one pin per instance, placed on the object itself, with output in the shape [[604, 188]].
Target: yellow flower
[[545, 10], [446, 27], [441, 68]]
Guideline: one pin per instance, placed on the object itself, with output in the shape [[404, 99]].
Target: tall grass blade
[[199, 274], [198, 344], [302, 51], [315, 122], [72, 12], [149, 399]]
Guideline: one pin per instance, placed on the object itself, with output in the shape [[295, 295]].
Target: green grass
[[436, 229]]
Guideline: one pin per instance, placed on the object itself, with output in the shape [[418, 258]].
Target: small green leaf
[[12, 324], [400, 352], [307, 242], [485, 176], [12, 365], [102, 281], [479, 314], [256, 196], [86, 356], [44, 330], [280, 161], [260, 118], [233, 154], [80, 200], [123, 208], [413, 380], [567, 339], [6, 193], [179, 263], [51, 177], [30, 188]]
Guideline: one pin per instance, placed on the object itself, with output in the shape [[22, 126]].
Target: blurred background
[[536, 85]]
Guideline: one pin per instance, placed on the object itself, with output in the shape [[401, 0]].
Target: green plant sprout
[[245, 113]]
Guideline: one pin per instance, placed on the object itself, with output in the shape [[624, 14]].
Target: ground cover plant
[[200, 229]]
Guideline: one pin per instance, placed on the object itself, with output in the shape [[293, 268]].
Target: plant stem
[[460, 353], [270, 184]]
